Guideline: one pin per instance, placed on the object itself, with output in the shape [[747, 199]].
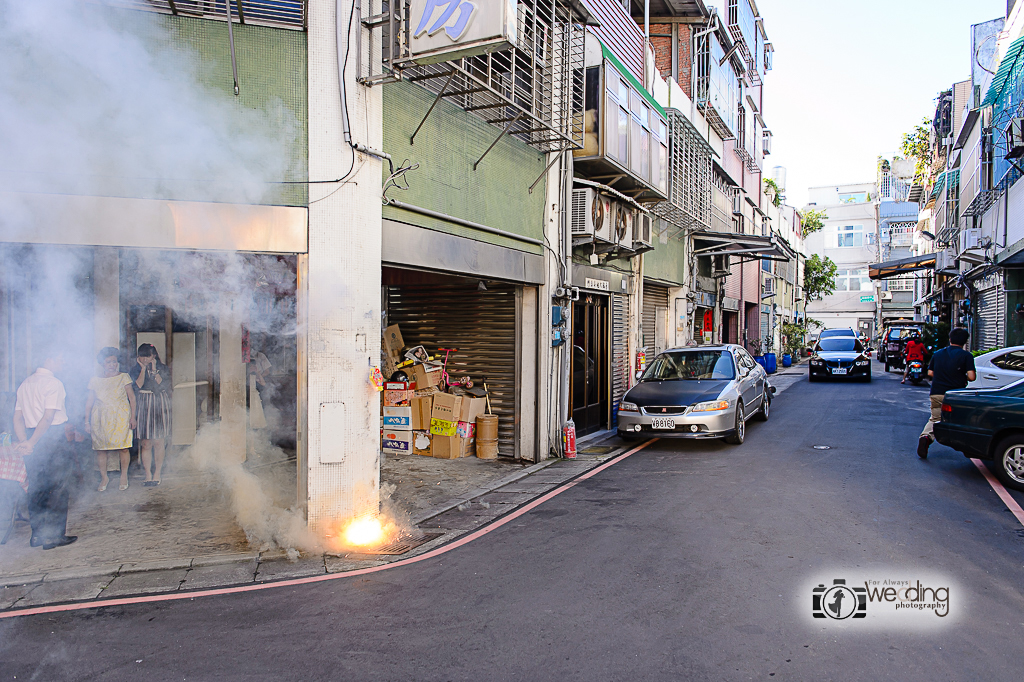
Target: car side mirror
[[639, 375], [774, 390]]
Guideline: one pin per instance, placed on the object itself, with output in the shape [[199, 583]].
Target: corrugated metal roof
[[620, 33], [898, 209], [1003, 73]]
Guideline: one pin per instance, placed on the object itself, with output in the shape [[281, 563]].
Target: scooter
[[916, 372]]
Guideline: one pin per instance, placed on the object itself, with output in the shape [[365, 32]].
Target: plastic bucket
[[787, 360], [760, 360], [487, 436], [771, 363]]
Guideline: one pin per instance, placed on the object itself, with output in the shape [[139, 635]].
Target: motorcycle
[[915, 372]]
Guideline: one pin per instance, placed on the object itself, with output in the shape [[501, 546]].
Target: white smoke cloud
[[108, 102]]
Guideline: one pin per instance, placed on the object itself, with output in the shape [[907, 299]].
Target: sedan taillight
[[947, 408]]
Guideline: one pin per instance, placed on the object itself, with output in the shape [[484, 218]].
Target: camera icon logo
[[839, 602]]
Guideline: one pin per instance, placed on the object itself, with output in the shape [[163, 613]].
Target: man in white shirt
[[39, 416]]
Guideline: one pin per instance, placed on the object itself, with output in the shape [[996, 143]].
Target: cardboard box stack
[[416, 416]]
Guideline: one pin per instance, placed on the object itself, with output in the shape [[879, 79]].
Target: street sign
[[867, 299]]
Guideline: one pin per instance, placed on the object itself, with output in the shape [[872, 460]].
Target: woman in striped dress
[[153, 382]]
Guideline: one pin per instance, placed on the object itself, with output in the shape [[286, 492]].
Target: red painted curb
[[464, 540]]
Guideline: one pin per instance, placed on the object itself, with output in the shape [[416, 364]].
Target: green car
[[987, 424]]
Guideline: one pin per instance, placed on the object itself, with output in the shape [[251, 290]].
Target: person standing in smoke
[[153, 379], [39, 415], [110, 415]]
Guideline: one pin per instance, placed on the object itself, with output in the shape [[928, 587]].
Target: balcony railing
[[689, 201], [280, 13]]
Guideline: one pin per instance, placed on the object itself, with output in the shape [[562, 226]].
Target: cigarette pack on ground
[[440, 427], [392, 341], [397, 418], [396, 442], [421, 413], [422, 443]]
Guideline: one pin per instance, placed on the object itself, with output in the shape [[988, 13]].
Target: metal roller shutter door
[[620, 347], [655, 297], [991, 330], [481, 324]]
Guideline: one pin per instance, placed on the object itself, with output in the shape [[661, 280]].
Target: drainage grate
[[405, 543], [597, 450]]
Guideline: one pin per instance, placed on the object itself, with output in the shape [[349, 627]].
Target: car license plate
[[839, 370], [663, 423]]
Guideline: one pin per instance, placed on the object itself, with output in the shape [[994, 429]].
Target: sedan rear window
[[691, 365], [840, 343], [1011, 361], [837, 332]]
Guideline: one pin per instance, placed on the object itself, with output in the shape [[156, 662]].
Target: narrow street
[[685, 560]]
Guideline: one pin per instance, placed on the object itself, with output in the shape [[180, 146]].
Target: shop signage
[[867, 299], [597, 284], [704, 299], [444, 30]]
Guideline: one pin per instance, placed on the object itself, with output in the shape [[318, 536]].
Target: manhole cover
[[822, 447], [597, 450], [403, 544]]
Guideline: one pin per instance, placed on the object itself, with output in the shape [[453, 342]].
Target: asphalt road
[[684, 561]]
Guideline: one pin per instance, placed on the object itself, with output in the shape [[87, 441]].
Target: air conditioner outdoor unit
[[945, 260], [642, 230], [591, 214], [768, 289], [886, 295], [970, 239], [620, 228], [798, 294], [737, 204]]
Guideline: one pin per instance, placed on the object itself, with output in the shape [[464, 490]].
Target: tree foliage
[[819, 277], [772, 189], [916, 146], [813, 220]]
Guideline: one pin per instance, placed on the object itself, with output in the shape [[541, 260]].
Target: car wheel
[[1009, 461], [766, 408], [737, 437], [886, 365]]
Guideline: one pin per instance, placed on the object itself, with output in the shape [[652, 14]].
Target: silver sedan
[[700, 392]]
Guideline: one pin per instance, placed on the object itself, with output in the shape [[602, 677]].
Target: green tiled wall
[[666, 262], [495, 194]]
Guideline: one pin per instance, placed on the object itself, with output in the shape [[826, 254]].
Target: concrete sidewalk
[[447, 517]]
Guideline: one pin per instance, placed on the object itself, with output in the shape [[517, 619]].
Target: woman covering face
[[153, 380]]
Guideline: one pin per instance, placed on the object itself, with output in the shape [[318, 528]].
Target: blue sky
[[850, 78]]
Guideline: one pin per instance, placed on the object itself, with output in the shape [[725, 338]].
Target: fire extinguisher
[[641, 360], [569, 439]]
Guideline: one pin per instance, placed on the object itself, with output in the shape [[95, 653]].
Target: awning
[[1003, 73], [746, 246], [893, 268]]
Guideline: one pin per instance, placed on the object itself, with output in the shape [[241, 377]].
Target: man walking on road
[[39, 418], [950, 368]]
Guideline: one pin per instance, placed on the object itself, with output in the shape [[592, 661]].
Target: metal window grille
[[737, 33], [702, 85], [533, 91], [280, 13], [690, 176]]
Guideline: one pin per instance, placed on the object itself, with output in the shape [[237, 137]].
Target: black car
[[987, 424], [839, 357], [894, 340]]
